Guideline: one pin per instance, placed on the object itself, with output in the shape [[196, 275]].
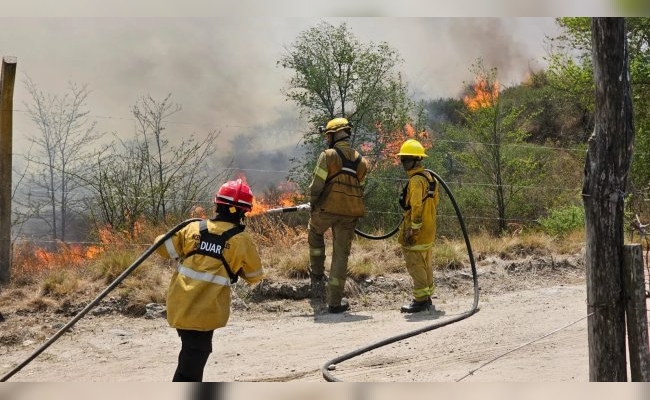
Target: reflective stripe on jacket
[[421, 215], [198, 296], [335, 192]]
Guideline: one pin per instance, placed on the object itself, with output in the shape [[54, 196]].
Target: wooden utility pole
[[636, 313], [605, 183], [6, 122]]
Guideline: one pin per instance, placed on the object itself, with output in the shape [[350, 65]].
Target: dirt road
[[500, 343]]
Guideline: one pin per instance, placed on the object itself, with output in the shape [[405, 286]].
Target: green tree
[[555, 118], [571, 70], [334, 74], [495, 150]]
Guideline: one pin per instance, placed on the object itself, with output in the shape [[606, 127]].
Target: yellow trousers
[[342, 233], [419, 266]]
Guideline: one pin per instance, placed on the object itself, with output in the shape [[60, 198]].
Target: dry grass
[[112, 264], [530, 243], [449, 255], [60, 283], [373, 258], [282, 248], [48, 282]]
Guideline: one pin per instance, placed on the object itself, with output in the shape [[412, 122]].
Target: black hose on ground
[[103, 294], [330, 365], [380, 237]]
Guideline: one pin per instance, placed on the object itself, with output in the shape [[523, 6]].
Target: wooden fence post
[[636, 313], [6, 122], [607, 167]]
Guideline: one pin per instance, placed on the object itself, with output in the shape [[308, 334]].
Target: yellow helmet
[[412, 148], [337, 124]]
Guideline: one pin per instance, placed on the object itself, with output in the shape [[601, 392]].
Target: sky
[[223, 72]]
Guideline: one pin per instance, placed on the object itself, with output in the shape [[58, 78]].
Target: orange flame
[[43, 256], [285, 194], [279, 200], [70, 255], [92, 252], [392, 141], [484, 95]]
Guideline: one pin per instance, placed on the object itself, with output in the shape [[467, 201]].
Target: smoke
[[264, 154], [437, 53], [224, 72], [501, 43]]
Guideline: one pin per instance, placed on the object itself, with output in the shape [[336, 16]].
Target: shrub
[[564, 220]]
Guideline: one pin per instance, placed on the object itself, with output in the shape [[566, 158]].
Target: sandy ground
[[296, 345], [533, 334]]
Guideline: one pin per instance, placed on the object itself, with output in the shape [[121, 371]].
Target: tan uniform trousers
[[419, 266], [342, 233]]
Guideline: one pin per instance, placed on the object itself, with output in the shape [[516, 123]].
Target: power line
[[134, 120], [519, 347], [450, 183]]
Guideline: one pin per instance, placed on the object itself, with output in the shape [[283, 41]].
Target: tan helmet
[[412, 148], [337, 124]]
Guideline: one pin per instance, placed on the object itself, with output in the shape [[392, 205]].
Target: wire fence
[[474, 216]]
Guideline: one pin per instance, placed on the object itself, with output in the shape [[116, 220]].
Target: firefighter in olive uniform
[[418, 228], [336, 200], [211, 254]]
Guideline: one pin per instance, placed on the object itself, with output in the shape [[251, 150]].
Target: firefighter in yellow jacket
[[418, 228], [212, 255], [336, 200]]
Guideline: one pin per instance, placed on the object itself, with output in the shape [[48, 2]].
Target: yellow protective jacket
[[198, 297], [421, 213], [333, 190]]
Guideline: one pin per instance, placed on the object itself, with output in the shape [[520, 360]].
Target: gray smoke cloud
[[331, 8], [224, 72]]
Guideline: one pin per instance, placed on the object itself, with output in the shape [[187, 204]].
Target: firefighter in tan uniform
[[418, 228], [336, 200], [211, 254]]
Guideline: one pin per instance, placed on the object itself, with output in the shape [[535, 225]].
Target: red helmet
[[235, 193]]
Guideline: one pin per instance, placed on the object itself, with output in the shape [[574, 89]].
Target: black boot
[[417, 306], [344, 306]]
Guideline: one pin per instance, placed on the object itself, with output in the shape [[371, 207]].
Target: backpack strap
[[216, 244], [432, 185], [349, 167], [429, 195]]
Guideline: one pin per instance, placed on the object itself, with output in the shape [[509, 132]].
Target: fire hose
[[301, 207], [103, 294], [331, 365], [307, 207]]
